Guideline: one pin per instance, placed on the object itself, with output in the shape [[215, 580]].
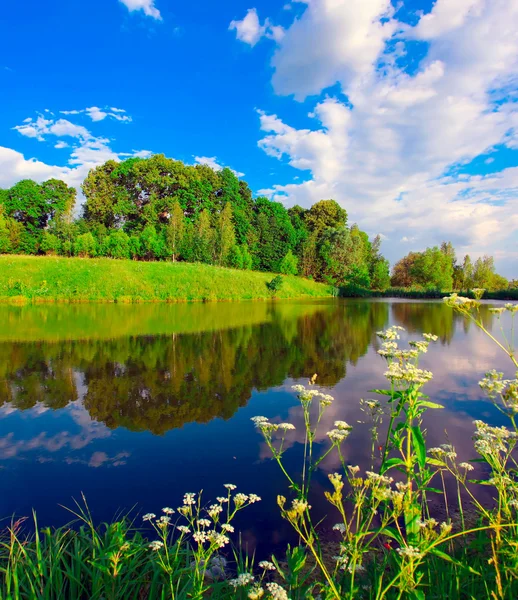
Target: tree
[[175, 230], [117, 244], [467, 273], [225, 237], [289, 264], [203, 239], [380, 275], [326, 213], [34, 205], [50, 243], [85, 245], [402, 272]]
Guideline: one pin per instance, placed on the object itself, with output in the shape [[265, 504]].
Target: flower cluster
[[490, 440], [407, 375]]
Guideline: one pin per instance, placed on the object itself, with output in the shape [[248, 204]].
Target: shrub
[[274, 285], [50, 243], [289, 264], [85, 245], [117, 245]]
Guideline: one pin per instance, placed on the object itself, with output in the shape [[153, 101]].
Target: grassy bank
[[55, 279]]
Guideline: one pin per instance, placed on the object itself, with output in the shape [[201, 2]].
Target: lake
[[133, 405]]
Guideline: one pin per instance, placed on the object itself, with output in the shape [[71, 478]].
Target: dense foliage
[[437, 268], [161, 209]]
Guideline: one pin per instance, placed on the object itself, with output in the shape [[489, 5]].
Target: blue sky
[[403, 112]]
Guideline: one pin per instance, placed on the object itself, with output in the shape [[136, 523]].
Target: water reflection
[[158, 383], [136, 404]]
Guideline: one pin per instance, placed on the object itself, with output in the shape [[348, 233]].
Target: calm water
[[139, 404]]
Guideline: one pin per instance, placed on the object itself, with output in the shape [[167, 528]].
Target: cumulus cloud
[[86, 150], [389, 147], [212, 162], [249, 30], [148, 6]]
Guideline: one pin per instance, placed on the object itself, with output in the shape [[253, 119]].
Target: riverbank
[[40, 279], [413, 294]]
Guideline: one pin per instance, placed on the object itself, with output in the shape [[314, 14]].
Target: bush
[[289, 264], [117, 245], [85, 245], [274, 285], [50, 243]]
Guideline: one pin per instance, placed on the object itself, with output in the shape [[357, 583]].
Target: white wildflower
[[253, 498], [227, 527], [410, 552], [168, 511], [241, 580], [267, 565], [183, 529], [156, 545], [430, 337], [204, 523], [230, 486], [189, 499], [339, 527], [276, 591], [466, 466], [286, 426], [148, 517], [337, 436], [342, 425]]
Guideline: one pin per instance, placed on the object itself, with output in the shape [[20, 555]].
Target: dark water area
[[136, 405]]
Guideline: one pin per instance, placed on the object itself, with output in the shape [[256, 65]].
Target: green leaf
[[392, 462], [392, 533], [435, 462], [419, 445], [448, 558], [434, 490], [382, 392], [430, 404]]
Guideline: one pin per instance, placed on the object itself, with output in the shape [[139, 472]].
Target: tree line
[[161, 209], [438, 268]]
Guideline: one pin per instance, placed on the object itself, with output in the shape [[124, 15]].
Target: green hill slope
[[54, 279]]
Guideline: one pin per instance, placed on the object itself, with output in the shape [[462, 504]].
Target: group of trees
[[437, 268], [161, 209]]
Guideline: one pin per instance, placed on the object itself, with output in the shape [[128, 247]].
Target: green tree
[[225, 237], [289, 264], [117, 244], [50, 243], [203, 239], [85, 245], [175, 230], [326, 213]]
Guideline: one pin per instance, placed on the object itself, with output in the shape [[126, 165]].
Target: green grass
[[55, 279]]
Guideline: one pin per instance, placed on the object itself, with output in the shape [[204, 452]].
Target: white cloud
[[99, 114], [249, 30], [383, 153], [212, 162], [86, 152], [148, 6], [332, 41]]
